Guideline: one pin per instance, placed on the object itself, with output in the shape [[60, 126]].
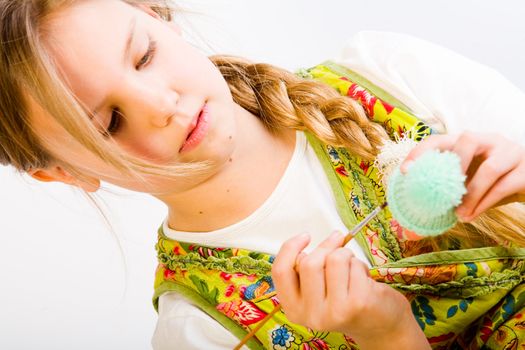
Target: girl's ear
[[56, 173]]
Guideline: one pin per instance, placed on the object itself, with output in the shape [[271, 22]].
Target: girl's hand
[[494, 165], [330, 290]]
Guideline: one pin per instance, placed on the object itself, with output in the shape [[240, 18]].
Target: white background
[[64, 283]]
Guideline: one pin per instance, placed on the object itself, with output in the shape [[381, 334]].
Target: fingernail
[[462, 217], [470, 218], [460, 213]]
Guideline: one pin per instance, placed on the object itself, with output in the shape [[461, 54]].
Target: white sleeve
[[450, 92], [182, 326]]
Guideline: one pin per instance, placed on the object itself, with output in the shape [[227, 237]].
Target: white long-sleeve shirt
[[449, 92]]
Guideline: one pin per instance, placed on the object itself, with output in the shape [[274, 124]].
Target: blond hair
[[280, 99], [27, 72]]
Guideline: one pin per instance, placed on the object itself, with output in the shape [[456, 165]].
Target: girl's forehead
[[86, 23], [87, 18], [88, 41]]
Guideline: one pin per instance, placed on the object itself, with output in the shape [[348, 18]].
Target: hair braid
[[282, 100]]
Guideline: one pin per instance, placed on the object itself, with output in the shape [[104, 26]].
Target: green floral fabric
[[461, 298]]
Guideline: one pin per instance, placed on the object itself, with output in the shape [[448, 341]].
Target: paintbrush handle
[[348, 237], [363, 223]]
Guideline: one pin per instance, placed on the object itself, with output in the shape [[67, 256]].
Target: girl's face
[[146, 87]]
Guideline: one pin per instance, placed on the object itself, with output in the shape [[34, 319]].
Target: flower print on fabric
[[474, 301], [366, 99], [258, 289], [282, 337], [245, 312]]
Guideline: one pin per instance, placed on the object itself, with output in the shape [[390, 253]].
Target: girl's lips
[[199, 131]]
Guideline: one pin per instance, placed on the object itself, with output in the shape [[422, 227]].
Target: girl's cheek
[[154, 150]]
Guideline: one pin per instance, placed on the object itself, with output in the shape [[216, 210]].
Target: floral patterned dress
[[461, 298]]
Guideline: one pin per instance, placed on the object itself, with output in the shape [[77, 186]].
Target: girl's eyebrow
[[127, 49], [131, 36]]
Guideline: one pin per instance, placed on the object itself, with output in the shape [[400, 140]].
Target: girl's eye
[[114, 123], [146, 59]]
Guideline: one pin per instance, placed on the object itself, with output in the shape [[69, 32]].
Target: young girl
[[246, 156]]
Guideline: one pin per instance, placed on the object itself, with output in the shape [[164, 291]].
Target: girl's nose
[[161, 117], [159, 108]]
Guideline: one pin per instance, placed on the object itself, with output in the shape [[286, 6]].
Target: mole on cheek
[[230, 160], [200, 212], [230, 137]]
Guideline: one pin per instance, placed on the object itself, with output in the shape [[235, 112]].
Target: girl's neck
[[258, 163]]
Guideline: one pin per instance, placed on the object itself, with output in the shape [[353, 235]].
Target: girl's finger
[[466, 147], [338, 275], [284, 276], [441, 142], [359, 286], [311, 269], [510, 188], [298, 259], [331, 242], [488, 175]]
